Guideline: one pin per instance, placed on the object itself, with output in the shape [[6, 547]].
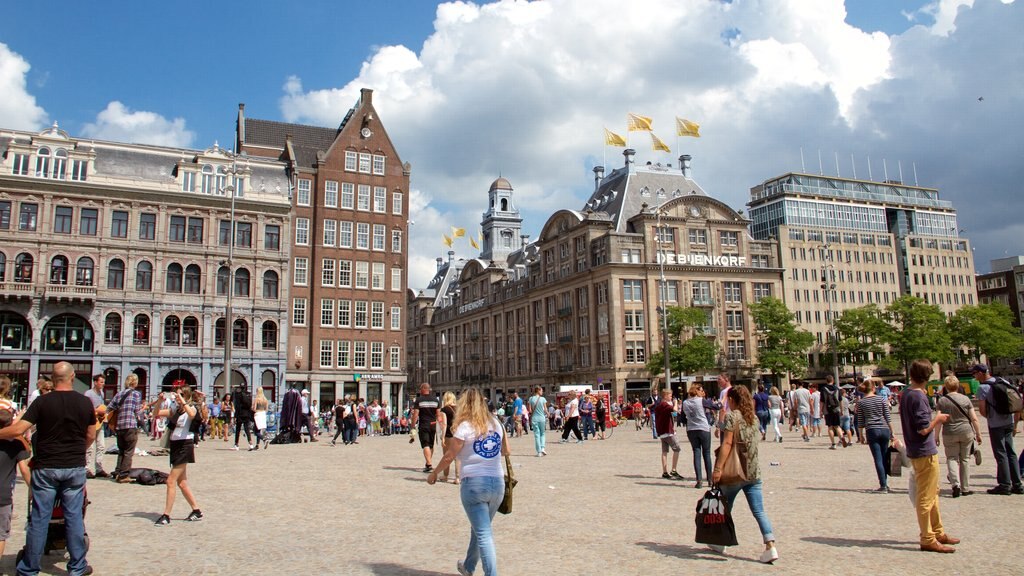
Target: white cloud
[[18, 108], [119, 123], [523, 90]]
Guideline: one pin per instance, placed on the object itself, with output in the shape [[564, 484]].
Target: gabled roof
[[623, 192], [270, 133]]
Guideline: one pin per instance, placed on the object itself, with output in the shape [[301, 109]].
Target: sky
[[470, 92]]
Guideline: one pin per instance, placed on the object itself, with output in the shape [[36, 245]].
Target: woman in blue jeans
[[743, 427], [698, 430], [478, 441], [873, 416]]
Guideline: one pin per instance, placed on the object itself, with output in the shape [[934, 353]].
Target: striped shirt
[[873, 412]]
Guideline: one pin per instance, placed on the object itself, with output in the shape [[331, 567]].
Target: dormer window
[[43, 163], [645, 192]]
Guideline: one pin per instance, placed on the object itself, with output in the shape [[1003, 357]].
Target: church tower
[[502, 225]]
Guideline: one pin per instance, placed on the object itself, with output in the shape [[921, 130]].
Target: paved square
[[596, 508]]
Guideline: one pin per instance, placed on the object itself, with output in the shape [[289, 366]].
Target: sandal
[[456, 481]]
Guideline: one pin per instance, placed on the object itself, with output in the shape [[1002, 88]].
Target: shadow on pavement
[[390, 569], [857, 543], [667, 483], [696, 552], [405, 468], [151, 516], [854, 490], [634, 476]]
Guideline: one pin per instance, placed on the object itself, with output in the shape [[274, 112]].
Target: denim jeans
[[700, 442], [49, 484], [587, 424], [752, 490], [481, 496], [763, 418], [539, 435], [351, 430], [1007, 475], [878, 441]]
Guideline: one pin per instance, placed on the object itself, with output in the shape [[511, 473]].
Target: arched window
[[240, 334], [223, 277], [172, 331], [43, 163], [173, 278], [112, 328], [242, 282], [23, 267], [207, 179], [140, 330], [3, 267], [83, 273], [59, 270], [504, 204], [222, 180], [115, 274], [60, 164], [193, 279], [144, 276], [190, 332], [270, 285], [218, 332], [67, 332], [269, 335]]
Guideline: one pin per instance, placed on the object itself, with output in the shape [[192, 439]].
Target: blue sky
[[469, 92]]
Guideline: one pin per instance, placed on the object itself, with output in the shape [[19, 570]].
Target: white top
[[572, 409], [181, 431], [481, 455]]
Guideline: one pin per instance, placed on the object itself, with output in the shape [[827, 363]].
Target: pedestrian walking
[[775, 412], [572, 420], [698, 430], [538, 408], [185, 409], [875, 418]]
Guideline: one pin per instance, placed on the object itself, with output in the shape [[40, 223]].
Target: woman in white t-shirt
[[186, 408], [478, 441]]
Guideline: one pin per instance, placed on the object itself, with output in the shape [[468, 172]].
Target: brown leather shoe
[[947, 539], [936, 547]]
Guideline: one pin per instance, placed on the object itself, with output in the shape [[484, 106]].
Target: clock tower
[[502, 224]]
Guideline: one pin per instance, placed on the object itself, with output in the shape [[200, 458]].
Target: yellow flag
[[657, 144], [472, 242], [458, 232], [635, 123], [447, 240], [687, 128], [613, 139]]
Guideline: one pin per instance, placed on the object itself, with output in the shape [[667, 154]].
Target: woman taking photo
[[742, 426], [183, 411], [446, 418], [478, 442], [698, 429], [961, 435], [874, 418]]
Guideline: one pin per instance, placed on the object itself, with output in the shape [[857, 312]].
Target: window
[[302, 192], [302, 231], [21, 164], [195, 230], [379, 230], [344, 313], [396, 203], [175, 231], [23, 268], [5, 215], [396, 241], [119, 224], [363, 198], [326, 312], [190, 332], [272, 237], [59, 270], [140, 330], [223, 280], [144, 277], [218, 332], [28, 217], [112, 329], [60, 164], [396, 358], [362, 274], [224, 237], [269, 335], [147, 226], [377, 315], [762, 290], [364, 162], [43, 163], [632, 290], [350, 161], [242, 282], [243, 234], [194, 280], [729, 238], [301, 270], [348, 195], [345, 235], [345, 273], [634, 321], [83, 272], [360, 314], [343, 353], [188, 181], [396, 317], [377, 355], [62, 216], [115, 274], [378, 164], [671, 293], [174, 277], [270, 285], [734, 320], [330, 232], [327, 272], [635, 353], [172, 331], [698, 236], [240, 334], [207, 179], [396, 279], [327, 353], [363, 236], [380, 199], [331, 194], [665, 234], [299, 312], [737, 350], [733, 292], [359, 354]]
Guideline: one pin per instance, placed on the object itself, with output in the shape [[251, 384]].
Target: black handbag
[[714, 522]]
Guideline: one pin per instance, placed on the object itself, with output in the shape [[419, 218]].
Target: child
[[13, 453]]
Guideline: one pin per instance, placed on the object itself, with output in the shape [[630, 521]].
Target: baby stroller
[[56, 531]]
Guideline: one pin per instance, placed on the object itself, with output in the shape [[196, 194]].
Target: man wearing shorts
[[802, 401], [665, 427], [424, 419], [831, 406]]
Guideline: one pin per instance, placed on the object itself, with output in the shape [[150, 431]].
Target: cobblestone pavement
[[596, 508]]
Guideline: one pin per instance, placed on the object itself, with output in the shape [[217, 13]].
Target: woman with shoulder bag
[[742, 432], [478, 440], [186, 410], [961, 435]]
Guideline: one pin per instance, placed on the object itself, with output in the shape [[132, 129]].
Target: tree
[[987, 329], [859, 332], [783, 346], [695, 354], [915, 329]]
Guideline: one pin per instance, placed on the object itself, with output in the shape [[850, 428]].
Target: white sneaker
[[462, 569], [717, 548], [235, 448], [770, 555]]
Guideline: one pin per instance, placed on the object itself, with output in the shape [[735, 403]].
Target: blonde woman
[[446, 419], [961, 434], [185, 409], [478, 441], [260, 404]]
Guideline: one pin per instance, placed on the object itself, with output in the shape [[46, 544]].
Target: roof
[[273, 134], [623, 193]]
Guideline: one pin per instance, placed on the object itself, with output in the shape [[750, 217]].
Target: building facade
[[580, 304], [118, 258], [347, 281], [845, 243]]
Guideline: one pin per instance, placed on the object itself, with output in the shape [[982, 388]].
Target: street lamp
[[828, 286], [229, 328], [662, 297]]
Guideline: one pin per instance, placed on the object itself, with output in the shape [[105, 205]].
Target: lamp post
[[828, 286], [662, 297], [228, 320]]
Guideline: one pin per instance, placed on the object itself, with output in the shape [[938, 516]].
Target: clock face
[[366, 132]]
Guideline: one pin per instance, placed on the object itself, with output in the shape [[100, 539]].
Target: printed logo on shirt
[[488, 446]]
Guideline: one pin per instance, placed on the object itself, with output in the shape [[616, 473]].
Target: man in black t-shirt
[[64, 421], [424, 419], [244, 417]]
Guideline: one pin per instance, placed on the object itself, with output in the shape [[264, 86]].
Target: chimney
[[524, 239], [629, 153], [365, 97], [598, 175], [451, 256], [440, 263], [684, 164]]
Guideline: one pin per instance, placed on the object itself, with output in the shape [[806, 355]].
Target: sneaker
[[235, 448], [543, 453], [163, 520], [832, 447], [462, 569], [101, 474], [882, 489], [1000, 490], [770, 555], [956, 491], [717, 548], [966, 492], [428, 468], [666, 476], [562, 441], [698, 485], [195, 516], [675, 475], [1017, 489]]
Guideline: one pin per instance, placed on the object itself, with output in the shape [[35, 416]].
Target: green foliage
[[697, 353], [783, 345], [987, 329], [915, 329], [860, 331]]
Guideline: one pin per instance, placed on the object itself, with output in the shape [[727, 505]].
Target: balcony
[[566, 368], [67, 292], [16, 289], [705, 331], [703, 302], [565, 339], [563, 312]]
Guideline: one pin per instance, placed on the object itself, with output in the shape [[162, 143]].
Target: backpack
[[1006, 399], [831, 399]]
